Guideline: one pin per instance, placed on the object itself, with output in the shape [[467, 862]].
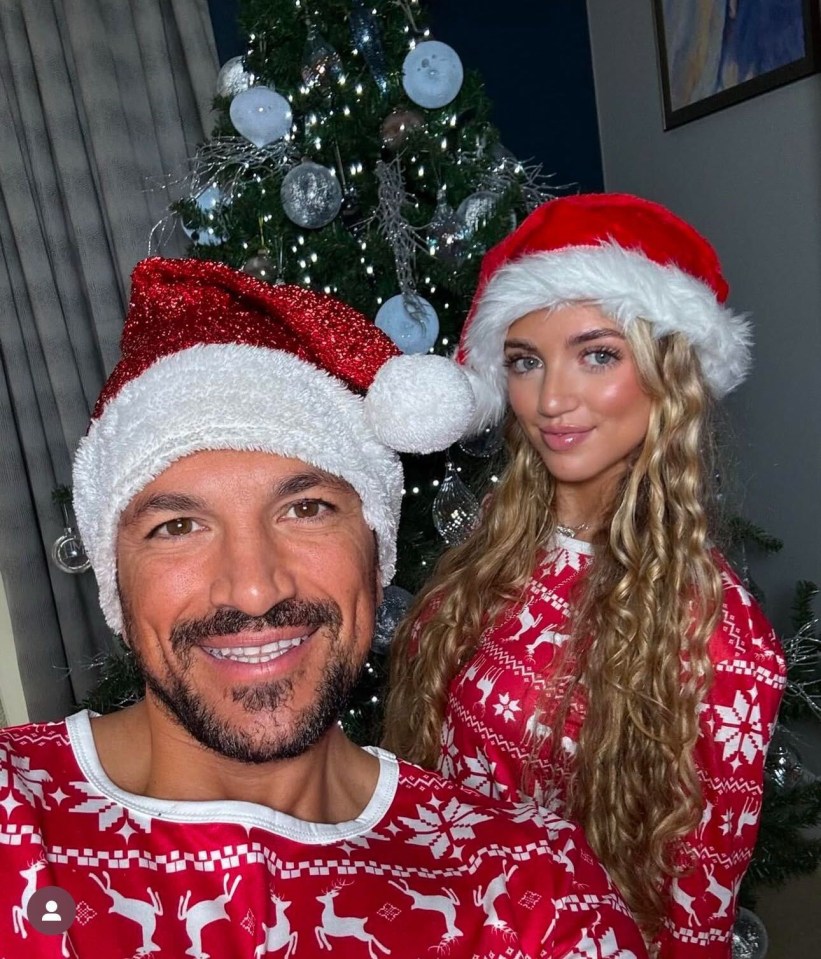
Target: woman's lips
[[560, 440]]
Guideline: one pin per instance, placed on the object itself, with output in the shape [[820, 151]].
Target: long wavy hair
[[644, 613]]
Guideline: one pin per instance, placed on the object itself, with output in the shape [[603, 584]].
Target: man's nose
[[252, 572]]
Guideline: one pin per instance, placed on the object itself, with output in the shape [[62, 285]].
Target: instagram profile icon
[[51, 910]]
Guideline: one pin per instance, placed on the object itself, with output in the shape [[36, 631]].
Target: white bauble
[[411, 322], [432, 74], [311, 195], [261, 115]]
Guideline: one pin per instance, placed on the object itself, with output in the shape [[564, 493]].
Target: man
[[238, 499]]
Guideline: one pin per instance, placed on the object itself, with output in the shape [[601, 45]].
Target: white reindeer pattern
[[137, 910], [279, 935], [202, 914], [487, 899], [446, 905], [722, 893], [343, 926], [18, 913]]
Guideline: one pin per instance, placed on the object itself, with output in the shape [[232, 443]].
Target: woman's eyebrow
[[590, 335]]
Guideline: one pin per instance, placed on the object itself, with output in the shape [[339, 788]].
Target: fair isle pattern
[[492, 722], [428, 869]]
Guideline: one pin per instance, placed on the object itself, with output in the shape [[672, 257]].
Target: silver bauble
[[311, 195], [68, 552], [233, 78], [784, 768], [749, 936], [391, 611], [210, 201], [473, 212]]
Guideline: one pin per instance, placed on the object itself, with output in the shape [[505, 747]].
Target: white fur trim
[[419, 403], [626, 285], [227, 397]]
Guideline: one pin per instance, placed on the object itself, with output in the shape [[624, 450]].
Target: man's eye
[[181, 526], [308, 509]]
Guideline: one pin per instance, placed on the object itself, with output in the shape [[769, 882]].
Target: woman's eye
[[179, 526], [308, 509], [599, 358], [522, 364]]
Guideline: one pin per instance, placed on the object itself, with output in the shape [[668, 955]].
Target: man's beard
[[182, 701]]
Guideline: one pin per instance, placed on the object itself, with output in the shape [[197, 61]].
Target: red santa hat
[[215, 359], [632, 258]]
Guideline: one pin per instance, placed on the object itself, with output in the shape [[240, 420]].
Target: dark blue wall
[[534, 57]]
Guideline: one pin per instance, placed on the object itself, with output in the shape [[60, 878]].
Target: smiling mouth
[[255, 654]]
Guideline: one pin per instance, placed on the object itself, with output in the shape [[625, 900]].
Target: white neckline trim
[[573, 545], [232, 811]]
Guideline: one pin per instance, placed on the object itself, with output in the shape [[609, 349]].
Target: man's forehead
[[180, 483]]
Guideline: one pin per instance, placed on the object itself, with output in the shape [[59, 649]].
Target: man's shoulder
[[32, 738]]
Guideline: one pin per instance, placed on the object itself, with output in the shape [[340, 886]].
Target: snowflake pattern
[[388, 911], [27, 782], [741, 733], [480, 776], [249, 923], [110, 813], [449, 755], [507, 707], [443, 829]]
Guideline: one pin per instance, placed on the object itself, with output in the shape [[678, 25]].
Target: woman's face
[[574, 388]]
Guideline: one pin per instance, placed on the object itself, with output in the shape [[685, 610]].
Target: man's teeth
[[255, 654]]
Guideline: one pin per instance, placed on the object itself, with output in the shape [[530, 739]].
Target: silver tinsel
[[749, 936], [444, 232], [232, 162], [802, 651], [403, 238], [394, 605]]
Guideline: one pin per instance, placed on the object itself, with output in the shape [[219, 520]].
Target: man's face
[[248, 583]]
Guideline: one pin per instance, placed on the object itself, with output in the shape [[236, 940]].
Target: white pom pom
[[419, 404]]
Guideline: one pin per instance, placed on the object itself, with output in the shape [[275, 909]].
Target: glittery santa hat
[[215, 359], [630, 257]]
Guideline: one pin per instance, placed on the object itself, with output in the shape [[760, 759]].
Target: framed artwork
[[713, 53]]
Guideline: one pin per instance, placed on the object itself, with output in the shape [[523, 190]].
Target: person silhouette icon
[[52, 913]]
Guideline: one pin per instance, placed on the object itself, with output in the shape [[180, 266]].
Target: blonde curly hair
[[643, 617]]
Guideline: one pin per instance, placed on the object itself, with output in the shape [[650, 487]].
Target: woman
[[587, 645]]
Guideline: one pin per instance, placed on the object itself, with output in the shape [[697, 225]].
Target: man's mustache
[[229, 622]]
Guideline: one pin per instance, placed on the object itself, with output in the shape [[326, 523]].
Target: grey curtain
[[99, 101]]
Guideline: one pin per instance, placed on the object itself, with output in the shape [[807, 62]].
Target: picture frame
[[714, 55]]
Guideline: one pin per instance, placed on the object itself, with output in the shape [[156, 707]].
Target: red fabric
[[590, 219], [429, 869], [489, 728], [176, 304]]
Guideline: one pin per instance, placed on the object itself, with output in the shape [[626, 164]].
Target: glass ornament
[[485, 444], [68, 552], [368, 41], [320, 62], [784, 768], [261, 115], [233, 78], [398, 124], [432, 74], [410, 321], [210, 201], [444, 232], [262, 267], [749, 936], [311, 195], [475, 210], [455, 509], [391, 611]]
